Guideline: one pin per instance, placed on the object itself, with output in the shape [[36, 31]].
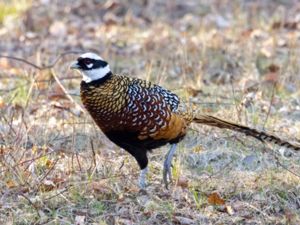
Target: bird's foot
[[167, 174], [142, 178]]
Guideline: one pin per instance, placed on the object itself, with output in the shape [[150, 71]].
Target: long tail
[[260, 135]]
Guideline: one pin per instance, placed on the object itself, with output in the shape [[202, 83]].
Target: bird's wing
[[139, 88], [171, 98], [149, 108]]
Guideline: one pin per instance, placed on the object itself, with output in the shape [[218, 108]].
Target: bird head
[[91, 66]]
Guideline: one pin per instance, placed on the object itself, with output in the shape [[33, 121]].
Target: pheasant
[[139, 116]]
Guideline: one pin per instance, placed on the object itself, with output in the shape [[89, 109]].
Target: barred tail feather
[[260, 135]]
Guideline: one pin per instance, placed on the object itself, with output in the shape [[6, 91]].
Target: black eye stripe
[[97, 63], [88, 61], [100, 63]]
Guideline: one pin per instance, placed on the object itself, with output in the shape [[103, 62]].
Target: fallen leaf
[[182, 182], [291, 25], [79, 220], [58, 181], [99, 187], [246, 33], [192, 91], [47, 185], [183, 220], [4, 64], [58, 29], [290, 216], [215, 199], [197, 149], [10, 184], [273, 68], [271, 78], [229, 210], [49, 163]]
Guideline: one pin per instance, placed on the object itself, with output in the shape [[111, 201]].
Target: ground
[[238, 60]]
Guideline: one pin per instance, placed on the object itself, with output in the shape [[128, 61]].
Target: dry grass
[[235, 59]]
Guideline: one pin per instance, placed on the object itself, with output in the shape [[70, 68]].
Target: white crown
[[91, 55]]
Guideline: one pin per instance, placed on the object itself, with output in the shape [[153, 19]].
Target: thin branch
[[65, 91], [235, 100], [284, 167], [208, 103], [31, 203], [29, 160], [51, 65], [270, 105], [22, 60], [40, 182]]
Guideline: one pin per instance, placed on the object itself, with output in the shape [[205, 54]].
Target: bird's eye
[[87, 61]]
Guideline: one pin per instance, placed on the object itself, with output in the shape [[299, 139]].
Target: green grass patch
[[12, 8]]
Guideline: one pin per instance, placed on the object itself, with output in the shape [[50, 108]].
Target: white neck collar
[[94, 74]]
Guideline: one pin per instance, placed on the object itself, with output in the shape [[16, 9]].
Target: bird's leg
[[168, 164], [142, 178]]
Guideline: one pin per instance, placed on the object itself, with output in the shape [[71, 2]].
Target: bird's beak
[[74, 66]]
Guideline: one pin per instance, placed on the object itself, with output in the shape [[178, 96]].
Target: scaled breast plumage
[[132, 104]]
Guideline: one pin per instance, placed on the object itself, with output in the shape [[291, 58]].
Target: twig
[[59, 193], [47, 173], [235, 100], [256, 209], [284, 167], [32, 204], [22, 60], [30, 160], [208, 103], [65, 91], [94, 154], [221, 170], [51, 65], [269, 109]]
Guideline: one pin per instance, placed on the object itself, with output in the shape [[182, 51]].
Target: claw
[[167, 166]]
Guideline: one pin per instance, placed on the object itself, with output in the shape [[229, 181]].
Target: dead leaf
[[215, 199], [111, 5], [229, 210], [58, 29], [121, 197], [49, 163], [192, 91], [58, 181], [250, 86], [182, 182], [111, 19], [197, 149], [10, 184], [291, 25], [273, 68], [271, 77], [183, 220], [4, 64], [79, 220], [47, 185], [290, 216], [246, 33], [132, 189], [57, 93], [99, 187], [2, 104]]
